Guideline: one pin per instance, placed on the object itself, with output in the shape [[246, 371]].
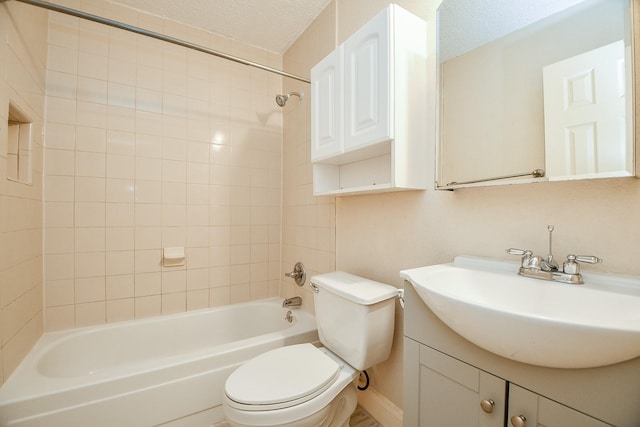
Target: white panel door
[[584, 114], [367, 84], [326, 108]]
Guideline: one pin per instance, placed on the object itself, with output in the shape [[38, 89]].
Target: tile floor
[[360, 418]]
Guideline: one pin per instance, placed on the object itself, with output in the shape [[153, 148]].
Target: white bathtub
[[166, 370]]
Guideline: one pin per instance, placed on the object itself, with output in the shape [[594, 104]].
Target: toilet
[[304, 385]]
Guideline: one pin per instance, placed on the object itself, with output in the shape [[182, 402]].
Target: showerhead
[[281, 100]]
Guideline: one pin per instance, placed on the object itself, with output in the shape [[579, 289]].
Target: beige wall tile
[[119, 310], [132, 170], [60, 318], [119, 263], [89, 189], [120, 215], [90, 139], [90, 314], [90, 289], [89, 264], [59, 292], [174, 302], [148, 306], [88, 239], [120, 287], [197, 299]]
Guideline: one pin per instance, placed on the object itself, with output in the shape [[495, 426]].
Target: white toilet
[[303, 385]]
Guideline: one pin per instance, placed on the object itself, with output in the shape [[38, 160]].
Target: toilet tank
[[355, 317]]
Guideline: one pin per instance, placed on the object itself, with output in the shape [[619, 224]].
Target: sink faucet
[[549, 264], [292, 302], [547, 269]]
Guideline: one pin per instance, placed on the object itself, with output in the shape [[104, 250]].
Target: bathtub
[[167, 370]]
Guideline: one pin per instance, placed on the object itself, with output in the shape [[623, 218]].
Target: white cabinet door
[[527, 409], [326, 97], [452, 393], [367, 62]]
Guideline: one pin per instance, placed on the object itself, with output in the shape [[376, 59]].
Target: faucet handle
[[299, 274], [514, 251], [589, 259], [526, 255], [570, 266]]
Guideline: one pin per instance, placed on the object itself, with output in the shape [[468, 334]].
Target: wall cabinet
[[368, 109], [326, 110]]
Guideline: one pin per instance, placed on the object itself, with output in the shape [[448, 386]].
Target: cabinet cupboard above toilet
[[368, 109]]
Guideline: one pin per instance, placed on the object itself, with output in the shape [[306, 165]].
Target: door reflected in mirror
[[530, 85]]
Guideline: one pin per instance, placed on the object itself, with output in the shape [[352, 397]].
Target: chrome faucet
[[292, 302], [299, 274], [549, 264], [547, 269]]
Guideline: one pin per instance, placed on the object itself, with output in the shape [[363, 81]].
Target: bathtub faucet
[[292, 302]]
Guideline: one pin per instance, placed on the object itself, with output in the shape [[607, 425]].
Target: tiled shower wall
[[150, 145], [23, 47], [308, 222]]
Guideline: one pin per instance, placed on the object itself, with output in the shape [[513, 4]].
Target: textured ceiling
[[270, 24], [465, 25]]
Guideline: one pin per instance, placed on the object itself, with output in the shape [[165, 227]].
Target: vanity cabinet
[[368, 101], [527, 409], [453, 393], [448, 381]]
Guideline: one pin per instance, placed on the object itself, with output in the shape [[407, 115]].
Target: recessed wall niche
[[18, 146]]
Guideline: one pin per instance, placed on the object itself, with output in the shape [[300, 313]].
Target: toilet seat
[[281, 378]]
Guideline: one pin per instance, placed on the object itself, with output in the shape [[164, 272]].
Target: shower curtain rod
[[142, 31]]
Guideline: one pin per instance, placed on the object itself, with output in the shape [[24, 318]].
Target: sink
[[534, 321]]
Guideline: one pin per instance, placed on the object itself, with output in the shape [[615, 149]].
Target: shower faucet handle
[[299, 274]]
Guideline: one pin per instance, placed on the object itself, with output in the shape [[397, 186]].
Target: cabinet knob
[[487, 405], [518, 421]]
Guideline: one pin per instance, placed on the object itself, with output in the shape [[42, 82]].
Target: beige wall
[[151, 145], [379, 235], [308, 222], [22, 82]]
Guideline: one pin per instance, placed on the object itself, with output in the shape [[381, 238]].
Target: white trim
[[380, 408]]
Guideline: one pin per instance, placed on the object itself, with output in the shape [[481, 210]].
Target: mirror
[[534, 90]]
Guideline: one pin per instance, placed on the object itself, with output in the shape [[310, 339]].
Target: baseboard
[[380, 408]]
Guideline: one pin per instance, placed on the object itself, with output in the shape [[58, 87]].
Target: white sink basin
[[534, 321]]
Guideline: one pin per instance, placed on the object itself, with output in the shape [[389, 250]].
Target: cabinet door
[[326, 108], [452, 393], [367, 64], [537, 411]]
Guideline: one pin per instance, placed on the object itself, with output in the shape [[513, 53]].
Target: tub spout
[[292, 302]]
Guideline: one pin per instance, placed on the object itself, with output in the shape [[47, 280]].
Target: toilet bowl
[[307, 386], [299, 385]]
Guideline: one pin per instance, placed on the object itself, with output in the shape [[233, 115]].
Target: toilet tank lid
[[354, 288]]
